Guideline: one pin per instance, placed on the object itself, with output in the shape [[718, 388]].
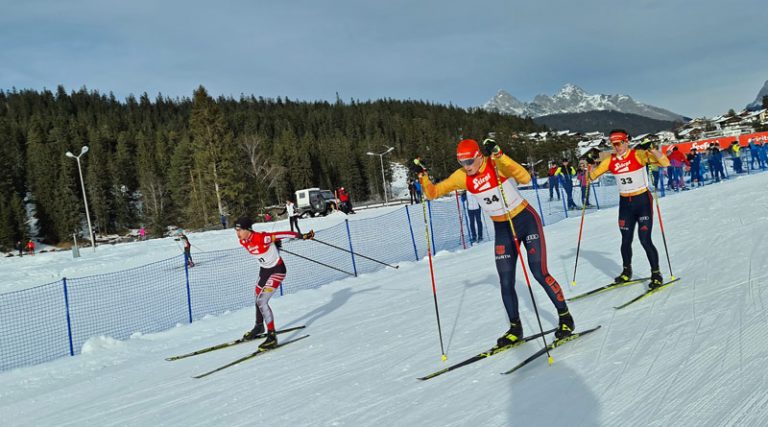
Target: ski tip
[[551, 360], [443, 357]]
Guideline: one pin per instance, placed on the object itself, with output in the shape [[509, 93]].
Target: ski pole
[[355, 253], [550, 360], [581, 227], [663, 234], [316, 262], [443, 357]]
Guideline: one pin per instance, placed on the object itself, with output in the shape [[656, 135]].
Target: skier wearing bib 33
[[636, 202], [499, 198], [271, 273]]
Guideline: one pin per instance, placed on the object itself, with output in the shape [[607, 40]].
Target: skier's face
[[242, 233], [620, 147], [472, 167]]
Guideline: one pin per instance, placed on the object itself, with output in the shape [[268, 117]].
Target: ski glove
[[490, 148], [645, 145], [308, 236], [417, 167]]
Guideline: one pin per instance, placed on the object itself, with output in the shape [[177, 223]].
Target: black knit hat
[[244, 222]]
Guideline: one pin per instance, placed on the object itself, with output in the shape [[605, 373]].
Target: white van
[[314, 201]]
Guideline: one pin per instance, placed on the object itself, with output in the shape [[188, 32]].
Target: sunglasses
[[617, 143], [467, 162]]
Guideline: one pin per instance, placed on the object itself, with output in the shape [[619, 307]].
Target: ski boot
[[566, 326], [625, 276], [512, 336], [656, 280], [270, 342], [256, 332]]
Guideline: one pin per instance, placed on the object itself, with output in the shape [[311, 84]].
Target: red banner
[[723, 142]]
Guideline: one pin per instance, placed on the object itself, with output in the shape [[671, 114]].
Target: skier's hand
[[645, 145], [490, 148], [417, 167], [278, 243], [308, 236]]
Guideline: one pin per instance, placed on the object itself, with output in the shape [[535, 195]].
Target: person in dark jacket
[[716, 162], [694, 159], [565, 174]]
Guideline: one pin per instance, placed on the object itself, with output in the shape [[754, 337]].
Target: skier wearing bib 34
[[499, 198], [271, 274], [636, 202]]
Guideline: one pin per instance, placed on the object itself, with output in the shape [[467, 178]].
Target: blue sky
[[693, 58]]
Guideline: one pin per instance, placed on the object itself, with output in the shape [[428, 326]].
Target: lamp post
[[383, 179], [85, 198]]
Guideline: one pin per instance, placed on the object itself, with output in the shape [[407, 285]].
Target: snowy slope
[[691, 355]]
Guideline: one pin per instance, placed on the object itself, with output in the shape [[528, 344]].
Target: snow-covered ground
[[691, 355]]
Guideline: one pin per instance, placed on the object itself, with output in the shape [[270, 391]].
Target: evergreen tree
[[207, 127]]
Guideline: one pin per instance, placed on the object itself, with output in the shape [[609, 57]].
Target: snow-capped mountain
[[759, 99], [573, 99]]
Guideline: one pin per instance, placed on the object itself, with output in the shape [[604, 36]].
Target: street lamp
[[85, 198], [381, 160]]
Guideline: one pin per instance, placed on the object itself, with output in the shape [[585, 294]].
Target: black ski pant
[[530, 234], [637, 211]]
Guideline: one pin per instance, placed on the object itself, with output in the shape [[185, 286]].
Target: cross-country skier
[[636, 202], [271, 273], [498, 197], [187, 250]]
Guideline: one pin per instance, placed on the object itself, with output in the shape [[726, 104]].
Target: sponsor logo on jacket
[[482, 183], [622, 166]]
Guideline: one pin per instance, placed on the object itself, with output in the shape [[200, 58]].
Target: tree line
[[186, 161]]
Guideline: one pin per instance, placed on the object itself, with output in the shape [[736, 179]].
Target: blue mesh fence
[[33, 326], [56, 319]]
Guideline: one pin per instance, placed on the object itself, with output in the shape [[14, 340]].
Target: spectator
[[753, 154], [142, 233], [345, 204], [565, 174], [762, 155], [412, 191], [31, 247], [676, 161], [736, 156], [293, 216], [655, 174], [552, 180], [716, 162], [20, 247], [582, 175], [223, 219], [417, 186], [267, 217], [694, 159], [475, 219]]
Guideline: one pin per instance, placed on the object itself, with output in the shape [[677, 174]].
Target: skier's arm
[[600, 169], [457, 181], [511, 169], [285, 235], [652, 156]]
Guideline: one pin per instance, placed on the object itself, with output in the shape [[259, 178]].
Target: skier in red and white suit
[[271, 273]]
